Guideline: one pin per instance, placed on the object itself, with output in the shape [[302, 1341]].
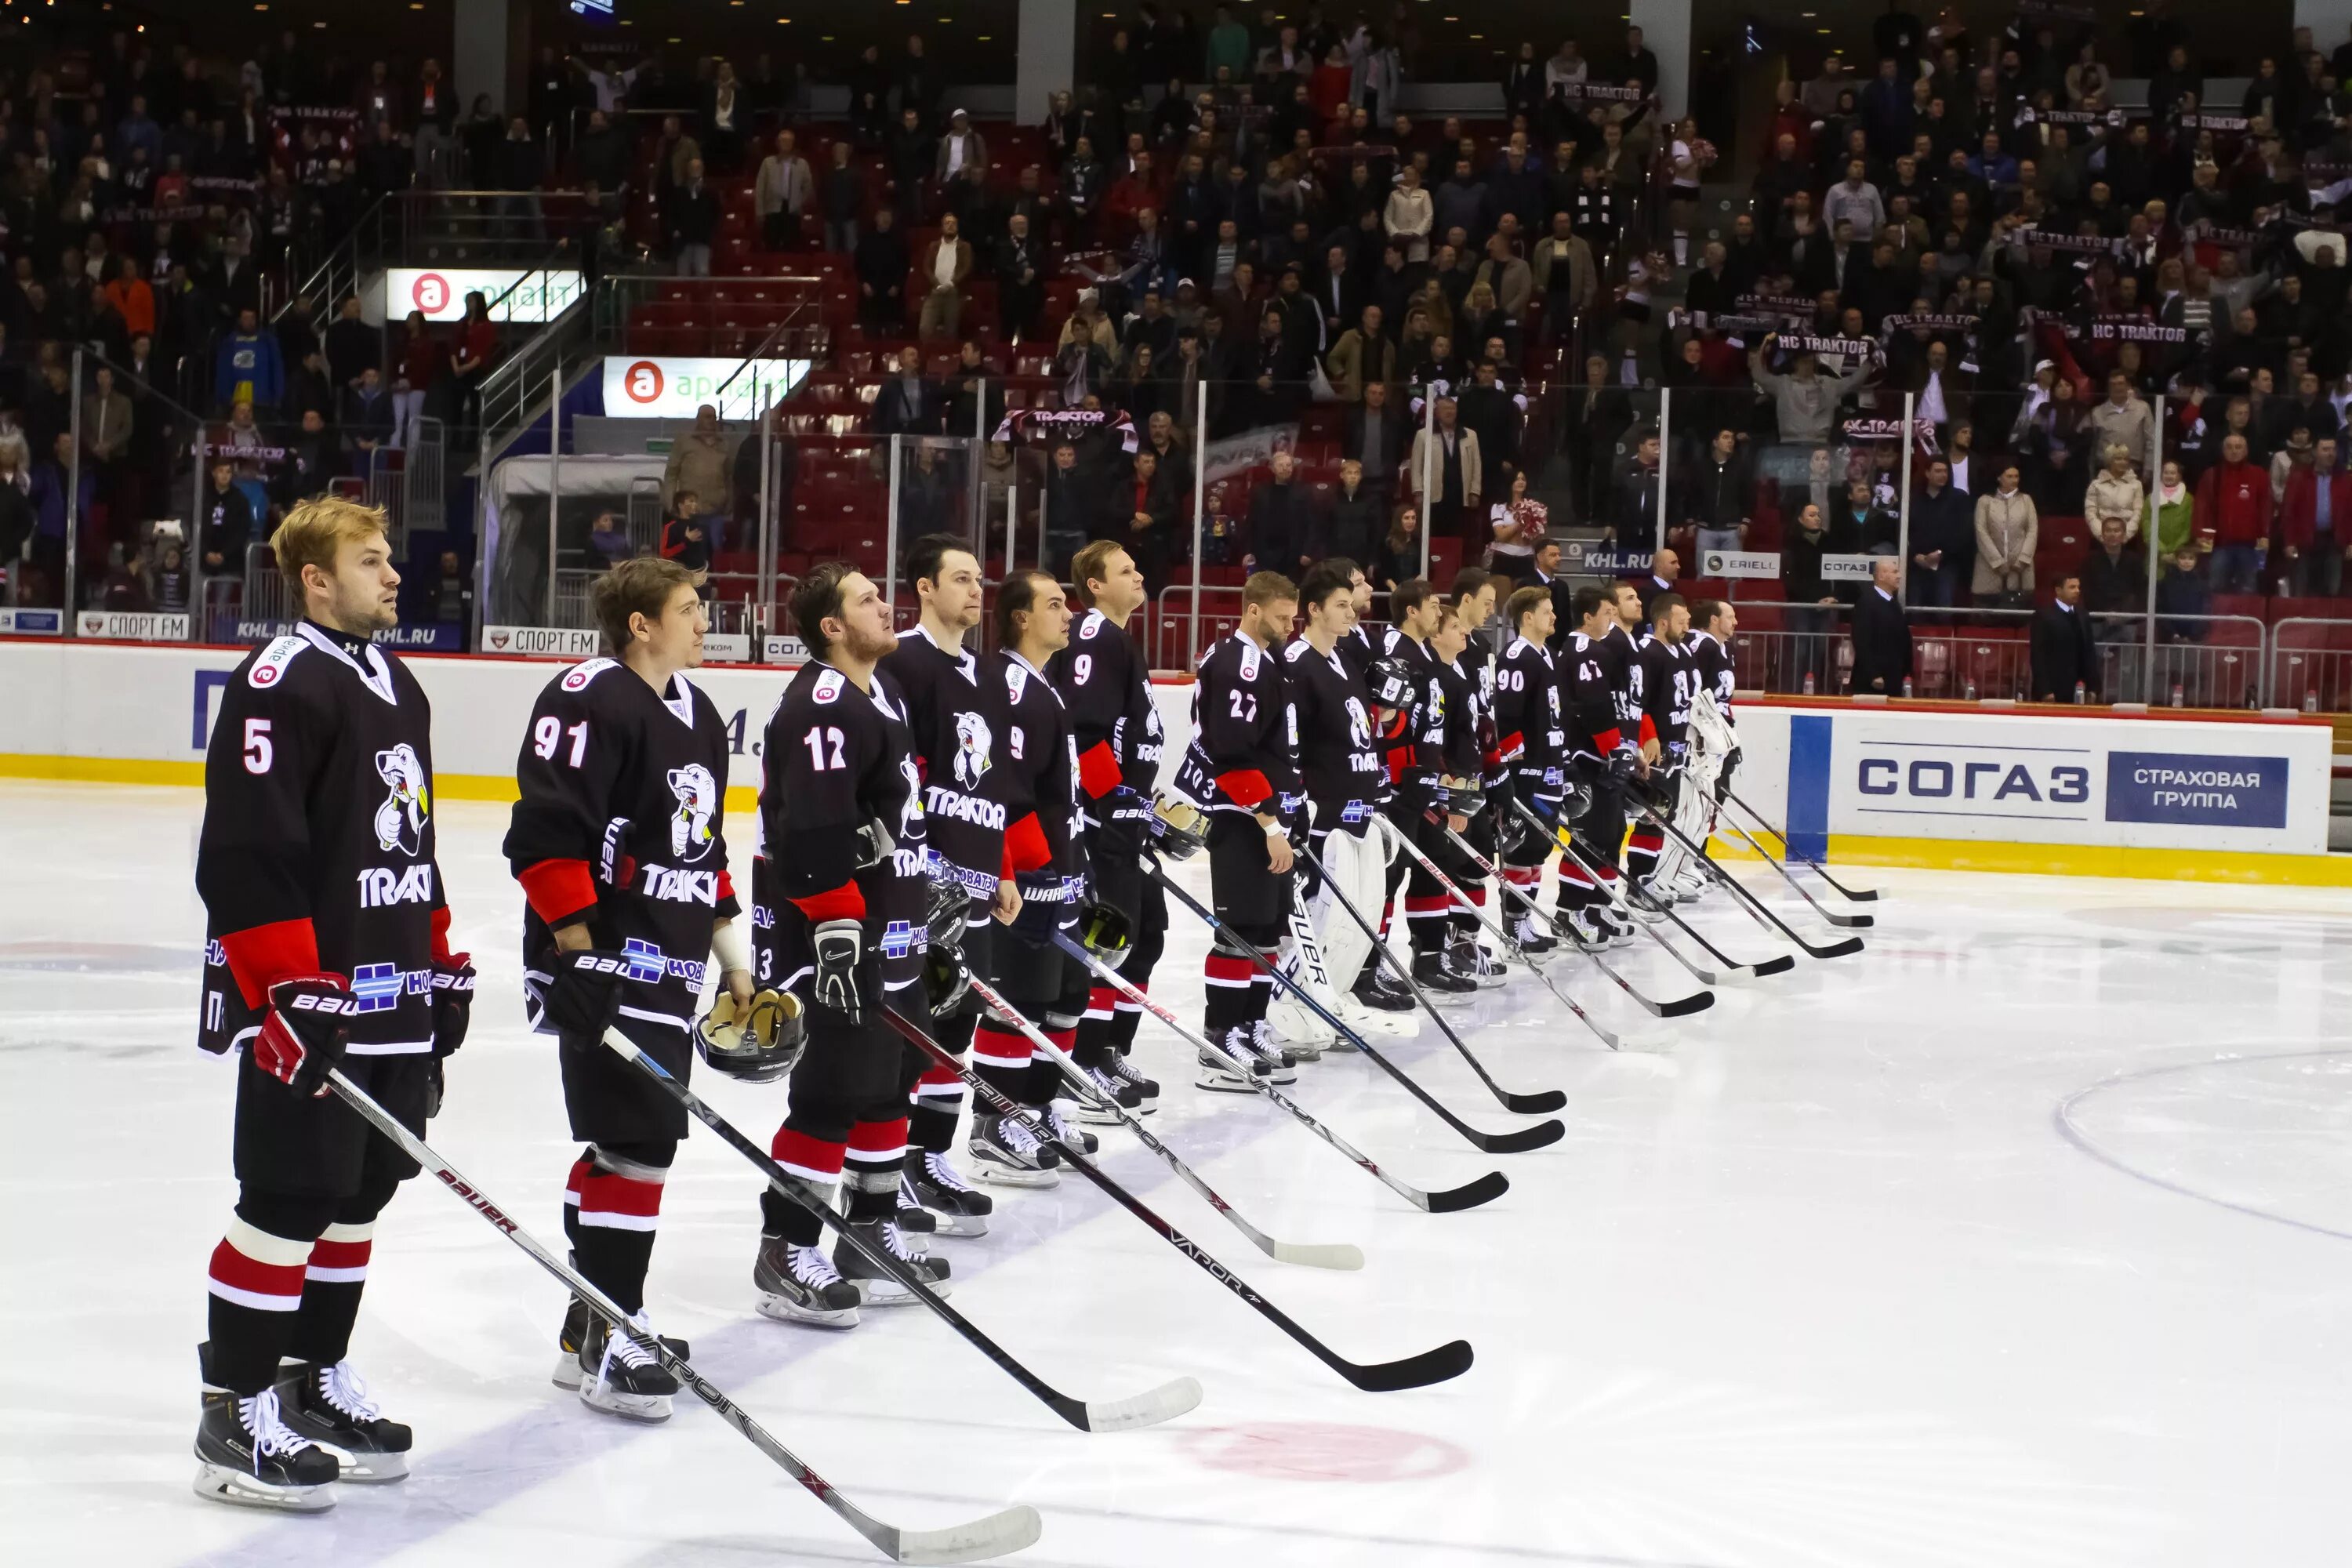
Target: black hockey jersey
[[1670, 679], [1040, 770], [957, 723], [833, 759], [1356, 650], [1338, 762], [623, 801], [317, 850], [1602, 704], [1459, 752], [1113, 722], [1716, 674], [1413, 750], [1531, 741], [1241, 757]]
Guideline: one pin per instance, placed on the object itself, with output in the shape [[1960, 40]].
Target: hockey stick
[[1517, 1141], [1680, 1007], [992, 1537], [1856, 895], [1740, 895], [1734, 971], [1833, 916], [1148, 1409], [1542, 1104], [1863, 896], [1449, 1359], [1312, 1254], [1469, 1195]]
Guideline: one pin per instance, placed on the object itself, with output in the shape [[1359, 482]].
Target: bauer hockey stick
[[1147, 1409], [1742, 897], [1681, 1007], [1853, 895], [1517, 1141], [1550, 1099], [1312, 1254], [1449, 1359], [1469, 1195], [983, 1538], [1734, 971]]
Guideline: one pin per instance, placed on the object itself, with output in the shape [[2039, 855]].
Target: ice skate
[[800, 1285]]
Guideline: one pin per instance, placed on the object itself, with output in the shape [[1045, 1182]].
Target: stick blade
[[1337, 1254], [1518, 1141], [1848, 923], [1468, 1196], [994, 1536], [1778, 964], [1837, 948], [1149, 1408], [1542, 1104], [1445, 1362], [1683, 1007]]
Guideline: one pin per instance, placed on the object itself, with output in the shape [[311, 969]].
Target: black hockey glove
[[1722, 779], [1624, 763], [309, 1024], [840, 950], [582, 998], [453, 1001]]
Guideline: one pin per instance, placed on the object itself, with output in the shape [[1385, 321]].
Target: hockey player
[[1357, 647], [842, 896], [1601, 705], [616, 839], [1240, 769], [1104, 682], [957, 723], [1462, 763], [1531, 746], [1339, 769], [1415, 718], [1475, 742], [1046, 860], [326, 945], [1714, 623], [1670, 679]]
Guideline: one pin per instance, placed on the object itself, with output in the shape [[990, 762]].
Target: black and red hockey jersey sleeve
[[1519, 705], [1656, 689], [1593, 701], [823, 739], [1100, 683], [1244, 721], [564, 837], [254, 850]]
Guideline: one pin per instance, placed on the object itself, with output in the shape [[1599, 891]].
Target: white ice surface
[[2023, 1239]]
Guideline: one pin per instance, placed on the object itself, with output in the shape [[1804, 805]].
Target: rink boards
[[2090, 794]]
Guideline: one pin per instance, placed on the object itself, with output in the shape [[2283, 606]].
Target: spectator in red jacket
[[2315, 521], [2234, 511]]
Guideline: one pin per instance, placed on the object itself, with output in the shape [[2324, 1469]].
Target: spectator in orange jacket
[[2234, 511], [129, 295]]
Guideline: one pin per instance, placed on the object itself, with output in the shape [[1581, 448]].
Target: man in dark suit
[[1281, 528], [1563, 593], [1376, 436], [1881, 634], [2063, 653], [1072, 504], [907, 404]]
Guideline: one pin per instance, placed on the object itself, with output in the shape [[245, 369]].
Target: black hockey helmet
[[1393, 685], [1179, 828], [1103, 930], [946, 984], [758, 1044]]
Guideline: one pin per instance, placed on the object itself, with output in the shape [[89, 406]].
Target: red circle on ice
[[430, 293], [1323, 1451], [642, 382]]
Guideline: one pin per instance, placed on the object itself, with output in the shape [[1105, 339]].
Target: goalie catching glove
[[310, 1023], [757, 1042]]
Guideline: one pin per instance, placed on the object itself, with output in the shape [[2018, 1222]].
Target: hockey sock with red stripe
[[936, 1104], [616, 1204], [332, 1286], [1228, 981], [255, 1282], [816, 1161], [871, 1167], [999, 1054]]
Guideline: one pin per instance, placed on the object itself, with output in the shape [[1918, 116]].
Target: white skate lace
[[1018, 1140], [1061, 1127], [1125, 1072], [894, 1243], [1105, 1084], [272, 1438], [620, 1347], [944, 1175], [340, 1387], [812, 1268]]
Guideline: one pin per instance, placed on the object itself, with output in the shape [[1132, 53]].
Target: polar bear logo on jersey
[[910, 816], [1360, 724], [399, 820], [698, 801], [973, 742]]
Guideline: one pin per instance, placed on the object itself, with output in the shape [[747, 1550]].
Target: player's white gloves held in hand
[[840, 946], [303, 1037]]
